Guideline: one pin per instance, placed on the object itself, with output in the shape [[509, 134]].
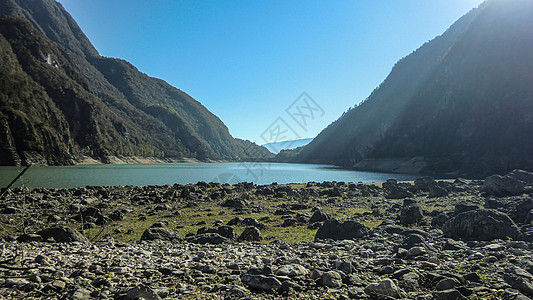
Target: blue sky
[[247, 61]]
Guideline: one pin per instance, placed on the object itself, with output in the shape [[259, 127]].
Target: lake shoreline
[[131, 160]]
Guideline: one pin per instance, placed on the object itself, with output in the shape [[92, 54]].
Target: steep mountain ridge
[[103, 106], [463, 102]]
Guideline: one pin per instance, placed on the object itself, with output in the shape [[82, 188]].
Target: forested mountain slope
[[59, 99], [463, 102]]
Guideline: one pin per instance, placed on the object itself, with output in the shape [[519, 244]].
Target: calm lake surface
[[184, 173]]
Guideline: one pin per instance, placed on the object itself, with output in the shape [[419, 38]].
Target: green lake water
[[184, 173]]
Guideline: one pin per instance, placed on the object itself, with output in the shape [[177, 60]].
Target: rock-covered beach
[[427, 239]]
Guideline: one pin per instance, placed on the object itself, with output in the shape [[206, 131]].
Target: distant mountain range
[[461, 104], [60, 100], [276, 147]]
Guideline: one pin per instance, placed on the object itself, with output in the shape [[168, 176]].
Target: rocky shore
[[426, 239]]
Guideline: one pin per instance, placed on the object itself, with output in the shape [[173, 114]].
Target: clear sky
[[247, 61]]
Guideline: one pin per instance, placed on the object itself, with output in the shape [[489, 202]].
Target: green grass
[[191, 212]]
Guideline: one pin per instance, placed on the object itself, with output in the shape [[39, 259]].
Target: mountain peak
[[49, 17]]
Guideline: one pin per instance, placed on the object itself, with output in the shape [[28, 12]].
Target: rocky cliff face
[[61, 99], [463, 101]]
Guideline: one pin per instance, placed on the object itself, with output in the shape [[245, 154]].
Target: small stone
[[119, 270], [29, 237], [494, 247], [402, 252], [237, 292], [35, 278], [331, 279], [446, 284], [160, 224], [208, 238], [517, 252], [261, 282], [209, 269], [165, 234], [428, 265], [80, 294], [520, 283], [143, 292], [472, 277], [415, 251], [250, 234], [100, 281], [292, 270], [287, 286], [319, 216], [385, 270], [448, 295], [162, 292], [411, 213], [42, 260], [345, 267], [316, 274], [62, 234], [58, 285]]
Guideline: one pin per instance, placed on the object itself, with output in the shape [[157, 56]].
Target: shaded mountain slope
[[100, 106], [463, 101]]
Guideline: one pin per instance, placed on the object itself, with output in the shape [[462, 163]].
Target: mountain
[[461, 104], [276, 147], [60, 100]]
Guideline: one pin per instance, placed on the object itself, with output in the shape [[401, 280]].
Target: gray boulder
[[261, 282], [522, 175], [451, 294], [520, 283], [92, 214], [498, 185], [208, 238], [411, 213], [292, 270], [333, 229], [386, 287], [519, 279], [236, 292], [440, 218], [142, 292], [30, 237], [437, 191], [319, 216], [393, 190], [225, 231], [331, 279], [462, 207], [424, 183], [234, 203], [62, 234], [529, 217], [480, 224], [165, 234], [250, 234]]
